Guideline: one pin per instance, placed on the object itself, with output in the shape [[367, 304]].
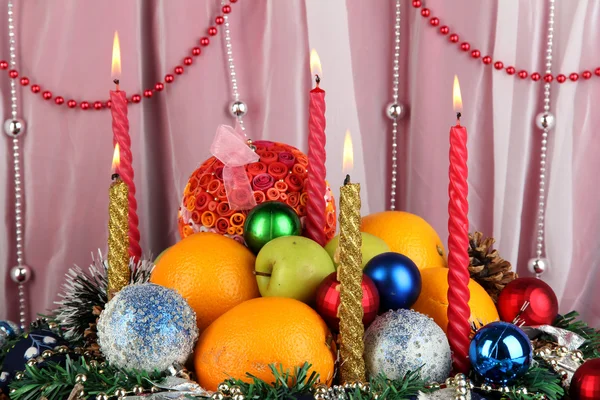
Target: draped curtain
[[65, 46]]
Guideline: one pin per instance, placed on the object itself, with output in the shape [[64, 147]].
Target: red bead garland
[[499, 65], [136, 98]]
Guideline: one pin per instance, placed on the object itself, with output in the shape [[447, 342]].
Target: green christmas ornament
[[268, 221]]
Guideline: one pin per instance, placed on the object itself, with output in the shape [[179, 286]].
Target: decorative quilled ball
[[543, 304], [279, 175], [147, 327], [20, 274], [585, 384], [538, 265], [238, 108], [405, 340], [545, 120], [500, 353], [14, 127], [397, 279], [328, 301], [395, 110], [268, 221], [26, 350]]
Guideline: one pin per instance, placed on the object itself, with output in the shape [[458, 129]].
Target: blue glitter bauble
[[397, 278], [29, 346], [147, 327], [500, 352], [401, 341], [8, 330]]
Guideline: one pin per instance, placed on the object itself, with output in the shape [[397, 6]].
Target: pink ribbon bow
[[230, 147]]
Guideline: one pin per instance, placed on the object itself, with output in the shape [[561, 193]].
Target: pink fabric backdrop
[[66, 45]]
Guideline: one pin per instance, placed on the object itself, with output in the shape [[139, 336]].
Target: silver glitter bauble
[[14, 127], [401, 341], [147, 327], [238, 108], [101, 396], [20, 274], [395, 110], [538, 265], [545, 120]]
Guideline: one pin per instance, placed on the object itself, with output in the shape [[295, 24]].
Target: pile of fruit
[[279, 306]]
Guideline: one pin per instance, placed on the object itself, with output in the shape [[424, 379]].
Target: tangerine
[[407, 234], [433, 300], [260, 332], [212, 272]]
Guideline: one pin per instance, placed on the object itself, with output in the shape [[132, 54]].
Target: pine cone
[[487, 267], [90, 336]]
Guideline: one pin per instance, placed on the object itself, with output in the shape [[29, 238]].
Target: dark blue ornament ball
[[397, 278], [500, 353], [30, 346]]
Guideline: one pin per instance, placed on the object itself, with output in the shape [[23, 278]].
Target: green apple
[[371, 247], [292, 266]]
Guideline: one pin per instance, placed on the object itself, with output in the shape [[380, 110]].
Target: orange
[[212, 272], [433, 300], [260, 332], [407, 234]]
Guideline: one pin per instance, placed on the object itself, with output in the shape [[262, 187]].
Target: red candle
[[459, 327], [120, 126], [316, 187]]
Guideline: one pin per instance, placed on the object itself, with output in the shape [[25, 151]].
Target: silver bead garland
[[238, 108], [544, 121], [395, 110], [14, 128]]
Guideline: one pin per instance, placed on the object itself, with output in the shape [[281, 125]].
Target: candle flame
[[348, 158], [116, 57], [315, 63], [116, 161], [457, 98]]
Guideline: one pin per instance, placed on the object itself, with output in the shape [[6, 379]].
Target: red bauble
[[585, 384], [328, 301], [543, 306]]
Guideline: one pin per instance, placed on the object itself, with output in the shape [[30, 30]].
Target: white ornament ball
[[545, 120], [404, 340], [147, 327]]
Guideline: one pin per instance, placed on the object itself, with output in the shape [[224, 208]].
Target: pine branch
[[407, 387], [540, 379], [285, 385], [55, 381], [591, 347]]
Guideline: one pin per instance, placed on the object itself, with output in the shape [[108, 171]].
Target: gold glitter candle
[[118, 227], [350, 276]]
